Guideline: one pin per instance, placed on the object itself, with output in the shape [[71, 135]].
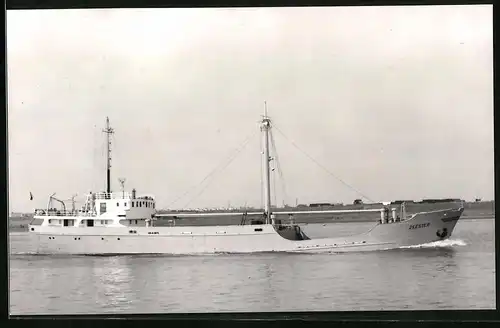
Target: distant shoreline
[[24, 227], [472, 211]]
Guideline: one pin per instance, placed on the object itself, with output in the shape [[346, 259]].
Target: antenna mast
[[109, 131], [122, 183], [265, 127], [73, 202]]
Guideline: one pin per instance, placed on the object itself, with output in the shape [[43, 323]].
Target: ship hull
[[420, 229]]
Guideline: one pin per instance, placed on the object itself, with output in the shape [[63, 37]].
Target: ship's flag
[[31, 196]]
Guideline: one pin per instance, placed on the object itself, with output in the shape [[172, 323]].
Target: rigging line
[[274, 189], [321, 166], [211, 173], [273, 169], [222, 169], [278, 165]]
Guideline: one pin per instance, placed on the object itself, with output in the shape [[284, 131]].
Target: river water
[[454, 274]]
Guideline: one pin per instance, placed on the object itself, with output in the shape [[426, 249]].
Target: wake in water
[[439, 244], [448, 243]]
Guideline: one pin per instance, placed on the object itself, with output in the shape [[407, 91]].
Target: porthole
[[118, 238]]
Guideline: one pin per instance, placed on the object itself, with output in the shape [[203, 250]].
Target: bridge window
[[125, 204], [117, 204], [132, 204], [102, 208]]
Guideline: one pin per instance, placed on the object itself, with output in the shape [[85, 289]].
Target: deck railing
[[113, 195], [56, 212], [120, 195]]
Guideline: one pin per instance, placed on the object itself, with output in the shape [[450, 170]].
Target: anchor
[[442, 234]]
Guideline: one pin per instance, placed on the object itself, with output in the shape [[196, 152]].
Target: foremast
[[109, 131], [265, 128]]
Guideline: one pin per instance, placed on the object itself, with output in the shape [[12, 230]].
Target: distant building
[[399, 202], [443, 200], [320, 204]]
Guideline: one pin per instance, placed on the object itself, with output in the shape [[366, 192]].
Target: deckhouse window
[[125, 204], [132, 204], [117, 204]]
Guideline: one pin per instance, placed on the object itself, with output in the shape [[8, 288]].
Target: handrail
[[113, 195], [56, 212], [120, 195]]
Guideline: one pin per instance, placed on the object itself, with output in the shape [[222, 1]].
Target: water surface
[[455, 274]]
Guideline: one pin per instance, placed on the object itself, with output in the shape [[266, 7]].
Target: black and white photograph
[[260, 159]]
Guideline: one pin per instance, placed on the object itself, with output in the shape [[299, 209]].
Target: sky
[[397, 102]]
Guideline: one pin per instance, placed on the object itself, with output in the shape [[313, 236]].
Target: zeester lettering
[[418, 226]]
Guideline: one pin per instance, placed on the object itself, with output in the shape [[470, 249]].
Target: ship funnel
[[384, 215], [394, 215], [133, 193]]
